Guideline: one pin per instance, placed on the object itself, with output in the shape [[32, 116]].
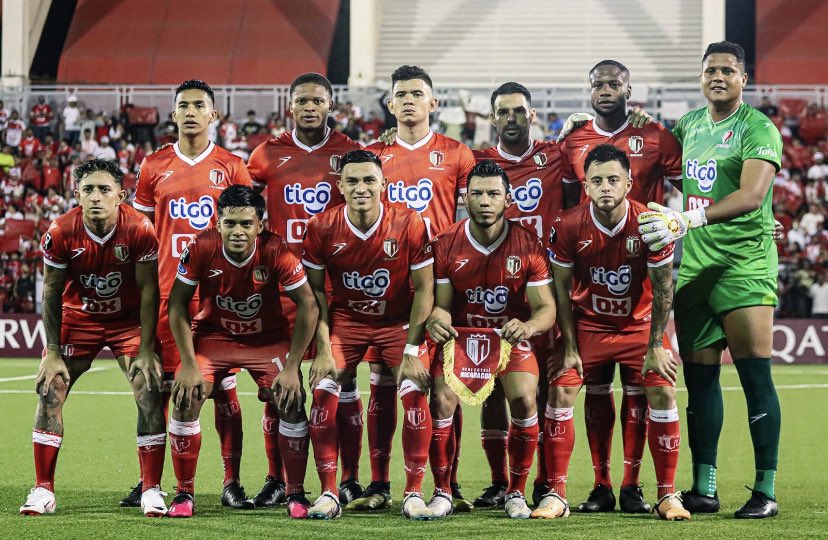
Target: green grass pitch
[[98, 465]]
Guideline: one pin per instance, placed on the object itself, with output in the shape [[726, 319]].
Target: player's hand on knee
[[639, 117], [571, 360], [188, 387], [148, 365], [321, 367], [50, 367], [516, 331], [661, 361], [414, 370], [287, 388], [573, 122], [439, 330]]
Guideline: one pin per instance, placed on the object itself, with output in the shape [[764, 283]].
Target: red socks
[[151, 450], [458, 435], [599, 416], [494, 445], [270, 428], [323, 433], [634, 430], [185, 444], [440, 453], [349, 426], [523, 441], [559, 440], [46, 448], [293, 445], [382, 422], [416, 435], [665, 440], [229, 427]]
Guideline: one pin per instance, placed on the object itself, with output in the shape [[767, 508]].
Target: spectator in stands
[[30, 145], [71, 118], [6, 159], [819, 170], [87, 122], [116, 133], [105, 151], [14, 129], [276, 125], [767, 107], [4, 120], [819, 297], [799, 154], [23, 292], [553, 126], [89, 146], [228, 132], [372, 125], [40, 118], [812, 221], [252, 126]]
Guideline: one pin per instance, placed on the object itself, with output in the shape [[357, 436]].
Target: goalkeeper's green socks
[[705, 417], [764, 417]]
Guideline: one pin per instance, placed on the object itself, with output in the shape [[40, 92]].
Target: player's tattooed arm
[[439, 322], [147, 363], [658, 359], [563, 290], [288, 384], [52, 364], [323, 365], [189, 384]]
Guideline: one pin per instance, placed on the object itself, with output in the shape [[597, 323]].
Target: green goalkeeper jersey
[[713, 154]]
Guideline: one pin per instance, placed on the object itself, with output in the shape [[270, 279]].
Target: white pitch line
[[115, 393], [32, 377]]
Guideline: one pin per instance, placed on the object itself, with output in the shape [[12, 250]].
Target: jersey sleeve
[[438, 247], [289, 268], [670, 150], [241, 175], [537, 271], [189, 270], [762, 140], [464, 168], [568, 174], [145, 189], [54, 248], [560, 250], [312, 255], [660, 257], [145, 242], [419, 248], [257, 166]]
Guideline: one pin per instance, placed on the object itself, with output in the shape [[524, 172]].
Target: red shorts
[[164, 341], [350, 342], [85, 342], [220, 356], [521, 360], [600, 348]]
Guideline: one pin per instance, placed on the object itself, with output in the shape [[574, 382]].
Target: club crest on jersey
[[335, 167], [540, 159], [727, 136], [390, 247], [436, 158], [633, 245], [121, 252], [478, 348], [513, 264], [216, 177], [636, 144], [260, 274]]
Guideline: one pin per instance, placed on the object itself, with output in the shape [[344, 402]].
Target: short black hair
[[195, 84], [726, 47], [408, 73], [360, 156], [614, 63], [112, 168], [240, 196], [511, 88], [312, 78], [604, 153], [487, 169]]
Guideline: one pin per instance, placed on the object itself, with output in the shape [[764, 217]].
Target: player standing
[[374, 254], [614, 298], [177, 189], [655, 157], [100, 290], [726, 290], [490, 273], [300, 169], [538, 172], [238, 270]]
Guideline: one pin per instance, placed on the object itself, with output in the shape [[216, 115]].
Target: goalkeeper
[[726, 289]]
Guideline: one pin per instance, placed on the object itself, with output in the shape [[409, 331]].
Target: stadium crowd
[[40, 149]]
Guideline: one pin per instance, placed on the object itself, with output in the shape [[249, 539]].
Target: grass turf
[[98, 465]]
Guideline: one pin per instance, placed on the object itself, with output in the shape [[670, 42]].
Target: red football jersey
[[610, 287], [655, 156], [537, 178], [427, 176], [370, 271], [240, 301], [300, 180], [41, 114], [490, 283], [100, 280], [183, 193]]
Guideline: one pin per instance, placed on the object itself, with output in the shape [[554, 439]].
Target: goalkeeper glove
[[664, 225]]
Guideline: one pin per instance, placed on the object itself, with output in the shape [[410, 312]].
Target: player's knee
[[661, 397], [523, 406], [443, 402], [562, 396]]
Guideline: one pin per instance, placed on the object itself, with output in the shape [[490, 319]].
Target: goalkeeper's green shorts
[[700, 304]]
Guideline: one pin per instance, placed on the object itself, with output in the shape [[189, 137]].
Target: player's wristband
[[411, 350], [695, 218]]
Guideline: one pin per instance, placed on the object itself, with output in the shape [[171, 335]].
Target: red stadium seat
[[812, 129], [19, 227], [793, 107]]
